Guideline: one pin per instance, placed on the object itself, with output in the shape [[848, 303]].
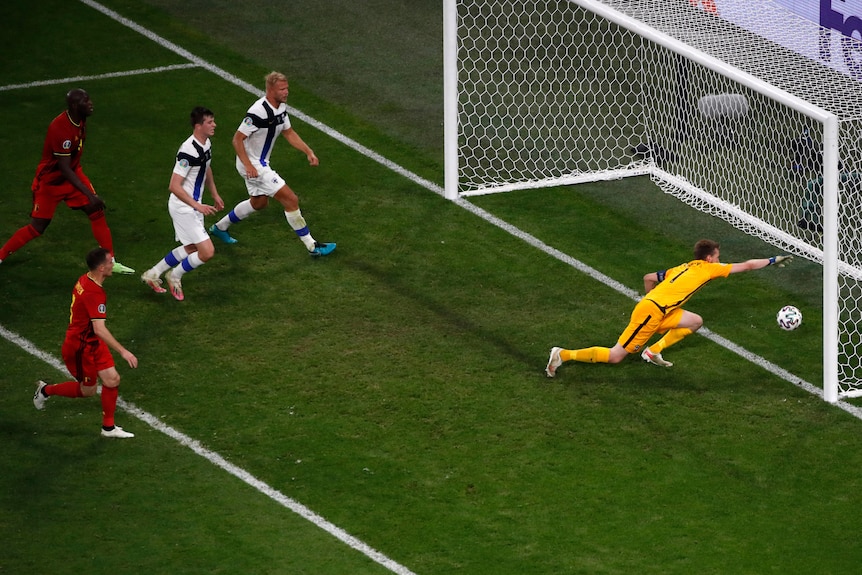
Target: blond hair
[[273, 78]]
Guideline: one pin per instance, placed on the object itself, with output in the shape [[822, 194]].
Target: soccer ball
[[789, 318]]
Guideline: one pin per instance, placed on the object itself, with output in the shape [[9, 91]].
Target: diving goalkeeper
[[660, 310]]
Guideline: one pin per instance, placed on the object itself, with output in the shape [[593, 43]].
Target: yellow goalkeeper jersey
[[683, 281]]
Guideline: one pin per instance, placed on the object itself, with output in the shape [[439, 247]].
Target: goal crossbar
[[485, 103]]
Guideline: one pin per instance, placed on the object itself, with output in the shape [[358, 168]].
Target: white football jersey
[[193, 159], [262, 124]]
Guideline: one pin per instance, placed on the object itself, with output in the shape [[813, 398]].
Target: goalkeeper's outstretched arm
[[761, 263]]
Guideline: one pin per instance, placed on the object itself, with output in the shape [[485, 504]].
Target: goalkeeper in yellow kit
[[660, 310]]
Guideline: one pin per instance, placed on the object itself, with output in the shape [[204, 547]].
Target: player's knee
[[39, 225], [205, 253], [288, 199], [94, 213], [88, 390], [111, 379], [617, 354]]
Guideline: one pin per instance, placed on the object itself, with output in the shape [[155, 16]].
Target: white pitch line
[[634, 295], [264, 488], [488, 217], [228, 77], [97, 77], [221, 462], [243, 475], [157, 424]]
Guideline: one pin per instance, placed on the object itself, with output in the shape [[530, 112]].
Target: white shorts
[[267, 182], [188, 224]]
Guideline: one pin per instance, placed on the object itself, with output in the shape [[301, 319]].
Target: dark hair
[[704, 248], [75, 96], [97, 257], [198, 114]]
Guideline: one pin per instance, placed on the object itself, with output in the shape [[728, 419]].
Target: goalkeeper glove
[[780, 260]]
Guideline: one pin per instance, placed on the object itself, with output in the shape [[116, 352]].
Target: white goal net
[[754, 120]]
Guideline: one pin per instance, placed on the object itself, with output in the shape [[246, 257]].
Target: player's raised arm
[[756, 264]]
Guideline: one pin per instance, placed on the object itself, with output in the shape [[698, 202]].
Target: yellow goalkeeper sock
[[671, 337], [588, 355]]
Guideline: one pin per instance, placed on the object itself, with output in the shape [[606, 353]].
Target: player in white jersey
[[264, 122], [192, 172]]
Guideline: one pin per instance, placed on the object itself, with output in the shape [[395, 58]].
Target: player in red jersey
[[59, 178], [86, 347]]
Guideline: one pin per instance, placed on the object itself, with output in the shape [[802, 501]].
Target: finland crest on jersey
[[192, 162], [262, 125]]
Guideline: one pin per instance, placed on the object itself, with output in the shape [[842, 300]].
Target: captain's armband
[[660, 275]]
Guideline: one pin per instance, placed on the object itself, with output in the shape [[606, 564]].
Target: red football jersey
[[89, 302], [64, 138]]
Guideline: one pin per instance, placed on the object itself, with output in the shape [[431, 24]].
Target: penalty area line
[[476, 210], [232, 79], [635, 296], [71, 79], [223, 464]]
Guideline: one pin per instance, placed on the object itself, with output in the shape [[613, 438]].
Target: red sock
[[101, 231], [65, 389], [109, 405], [18, 240]]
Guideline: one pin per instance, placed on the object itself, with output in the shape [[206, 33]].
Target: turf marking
[[221, 462], [97, 77], [488, 217], [636, 296], [243, 475], [228, 77]]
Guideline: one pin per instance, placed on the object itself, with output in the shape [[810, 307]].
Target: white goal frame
[[829, 255]]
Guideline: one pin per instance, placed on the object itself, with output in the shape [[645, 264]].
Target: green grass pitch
[[395, 388]]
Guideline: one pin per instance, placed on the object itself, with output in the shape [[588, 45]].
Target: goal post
[[831, 290], [739, 125]]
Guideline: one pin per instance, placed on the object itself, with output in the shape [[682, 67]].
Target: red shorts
[[85, 361], [46, 197]]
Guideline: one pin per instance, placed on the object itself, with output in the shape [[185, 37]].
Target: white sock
[[240, 212], [177, 255], [187, 265], [297, 222]]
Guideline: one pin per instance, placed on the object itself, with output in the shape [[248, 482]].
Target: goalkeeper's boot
[[222, 235], [554, 362], [655, 358], [152, 279], [322, 249], [121, 269]]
